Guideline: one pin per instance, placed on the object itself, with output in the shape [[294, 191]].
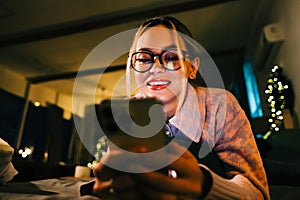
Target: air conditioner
[[268, 46]]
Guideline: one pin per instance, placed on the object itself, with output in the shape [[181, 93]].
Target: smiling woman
[[162, 78], [210, 145]]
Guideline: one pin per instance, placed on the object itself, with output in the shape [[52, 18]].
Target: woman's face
[[165, 85]]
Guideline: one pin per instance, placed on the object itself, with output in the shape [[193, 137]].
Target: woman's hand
[[113, 184], [187, 184]]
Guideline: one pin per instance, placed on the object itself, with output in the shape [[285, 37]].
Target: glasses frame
[[159, 55]]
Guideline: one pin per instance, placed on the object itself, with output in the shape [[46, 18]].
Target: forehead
[[158, 37]]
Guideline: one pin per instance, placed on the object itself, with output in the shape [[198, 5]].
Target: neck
[[170, 109]]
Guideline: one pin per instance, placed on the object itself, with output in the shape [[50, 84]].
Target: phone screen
[[135, 125]]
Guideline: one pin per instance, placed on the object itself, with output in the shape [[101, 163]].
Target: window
[[252, 91]]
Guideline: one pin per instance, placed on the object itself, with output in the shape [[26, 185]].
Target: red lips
[[158, 84]]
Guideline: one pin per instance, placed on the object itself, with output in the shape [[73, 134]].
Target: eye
[[143, 58], [170, 57]]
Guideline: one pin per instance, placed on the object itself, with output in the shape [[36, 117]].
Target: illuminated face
[[159, 82]]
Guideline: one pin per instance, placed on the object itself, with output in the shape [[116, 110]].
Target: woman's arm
[[236, 148]]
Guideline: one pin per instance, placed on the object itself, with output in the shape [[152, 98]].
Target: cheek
[[140, 78], [182, 73]]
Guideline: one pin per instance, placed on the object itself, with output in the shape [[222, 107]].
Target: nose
[[157, 65]]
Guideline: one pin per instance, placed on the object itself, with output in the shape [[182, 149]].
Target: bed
[[51, 188], [281, 165], [56, 188]]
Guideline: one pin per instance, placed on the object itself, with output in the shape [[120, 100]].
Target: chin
[[164, 96], [163, 99]]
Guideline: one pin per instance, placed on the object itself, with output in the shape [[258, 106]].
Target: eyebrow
[[172, 46]]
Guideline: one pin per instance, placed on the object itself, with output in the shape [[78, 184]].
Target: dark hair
[[173, 24], [168, 22]]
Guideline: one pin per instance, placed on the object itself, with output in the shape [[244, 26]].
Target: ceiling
[[47, 41]]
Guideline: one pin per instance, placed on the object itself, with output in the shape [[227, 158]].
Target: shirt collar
[[189, 118]]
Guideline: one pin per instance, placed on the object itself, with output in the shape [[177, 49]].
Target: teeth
[[159, 83]]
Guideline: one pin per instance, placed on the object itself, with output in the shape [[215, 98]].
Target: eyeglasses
[[142, 61]]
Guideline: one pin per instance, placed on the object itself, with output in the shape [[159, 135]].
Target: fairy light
[[26, 152], [36, 103], [275, 90]]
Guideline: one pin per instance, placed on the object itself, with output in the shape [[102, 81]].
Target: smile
[[158, 85]]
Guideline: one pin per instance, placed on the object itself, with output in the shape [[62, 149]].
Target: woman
[[163, 59]]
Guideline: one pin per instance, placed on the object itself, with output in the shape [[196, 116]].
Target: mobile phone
[[135, 125]]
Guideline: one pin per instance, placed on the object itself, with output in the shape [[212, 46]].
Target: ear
[[195, 63]]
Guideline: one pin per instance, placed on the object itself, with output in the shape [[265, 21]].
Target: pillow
[[7, 170]]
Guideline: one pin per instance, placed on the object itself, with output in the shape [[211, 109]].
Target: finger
[[103, 172], [122, 187], [155, 194], [161, 182], [157, 180], [132, 194], [104, 169], [124, 182], [187, 160], [169, 160], [102, 188], [120, 159]]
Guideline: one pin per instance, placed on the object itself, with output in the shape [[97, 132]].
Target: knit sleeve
[[238, 187], [244, 177]]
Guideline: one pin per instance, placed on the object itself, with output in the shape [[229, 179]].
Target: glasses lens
[[171, 60], [141, 61]]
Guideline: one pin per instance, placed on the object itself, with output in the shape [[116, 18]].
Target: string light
[[26, 152], [276, 91]]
